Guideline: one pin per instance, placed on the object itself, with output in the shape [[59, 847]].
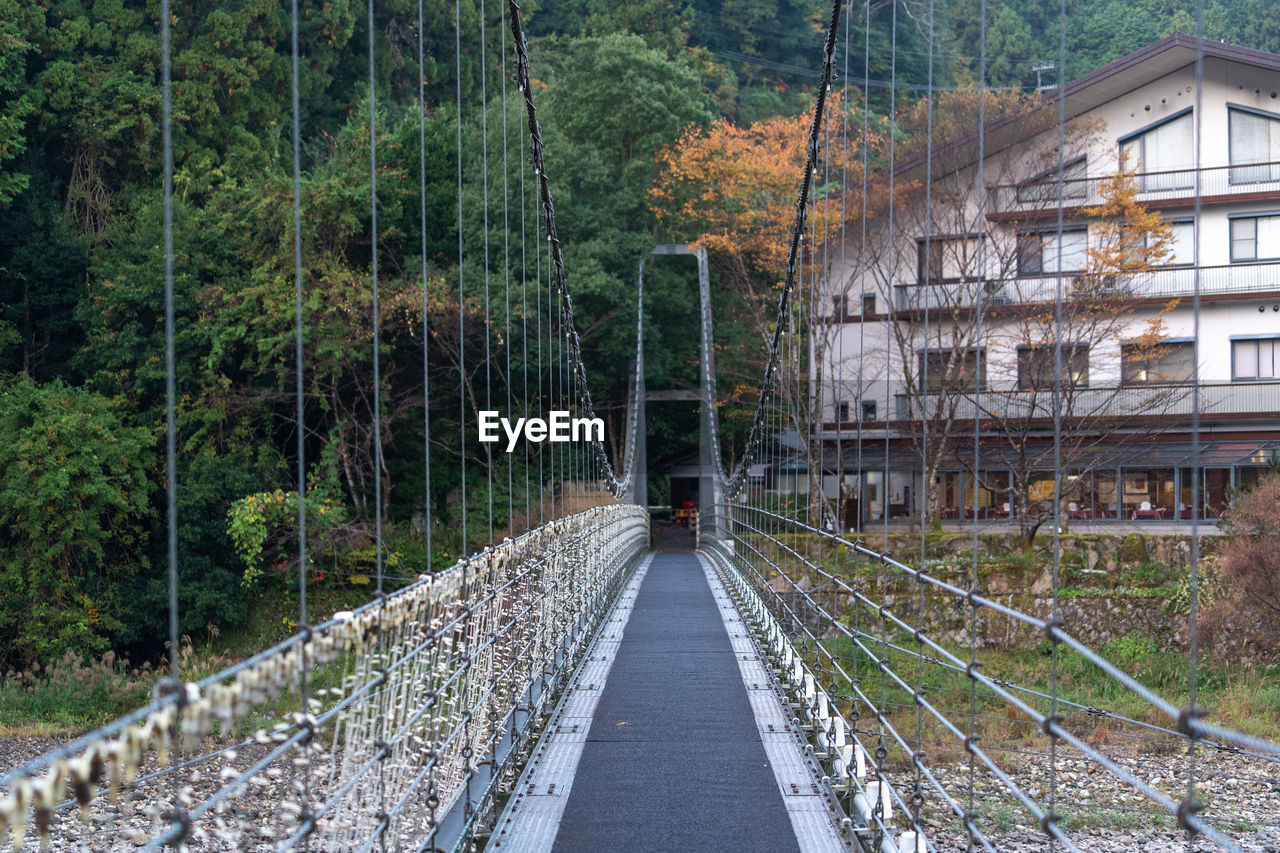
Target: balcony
[[1216, 399], [1216, 182], [1168, 282]]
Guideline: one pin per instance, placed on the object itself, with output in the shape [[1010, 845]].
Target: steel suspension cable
[[426, 330], [1190, 806], [462, 301], [304, 666]]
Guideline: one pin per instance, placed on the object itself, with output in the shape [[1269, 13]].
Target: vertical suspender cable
[[373, 264], [377, 367], [1190, 805], [462, 332], [888, 329], [888, 316], [977, 388], [171, 441], [303, 661], [426, 332], [524, 335], [922, 496], [484, 174], [1057, 408], [506, 265], [298, 330]]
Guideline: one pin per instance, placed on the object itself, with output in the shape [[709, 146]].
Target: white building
[[1125, 396]]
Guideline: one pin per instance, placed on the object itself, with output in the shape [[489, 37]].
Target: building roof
[[1143, 66]]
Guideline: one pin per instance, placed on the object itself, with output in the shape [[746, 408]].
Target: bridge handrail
[[1189, 724], [429, 649]]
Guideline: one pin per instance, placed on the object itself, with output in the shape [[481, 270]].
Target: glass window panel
[[1166, 149], [1167, 363], [1254, 139], [1268, 359], [1045, 187], [1036, 366], [1072, 250], [1038, 254], [1183, 248], [1030, 254], [1268, 237], [1244, 244], [1246, 359], [948, 258], [943, 372]]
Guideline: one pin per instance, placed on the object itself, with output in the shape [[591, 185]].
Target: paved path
[[671, 758]]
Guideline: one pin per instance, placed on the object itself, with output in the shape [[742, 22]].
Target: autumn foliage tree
[[1248, 567], [1048, 343]]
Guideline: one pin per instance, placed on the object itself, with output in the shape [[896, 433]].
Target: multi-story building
[[998, 252]]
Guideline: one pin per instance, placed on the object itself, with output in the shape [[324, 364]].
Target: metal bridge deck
[[669, 754]]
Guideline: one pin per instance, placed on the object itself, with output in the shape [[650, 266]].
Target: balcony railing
[[1169, 281], [1152, 186], [1218, 398]]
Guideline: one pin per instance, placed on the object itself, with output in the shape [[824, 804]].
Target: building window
[[1256, 359], [1255, 238], [942, 371], [839, 305], [868, 303], [946, 259], [1254, 138], [868, 410], [1041, 253], [1036, 366], [1165, 363], [1182, 244], [1044, 187], [842, 411], [1163, 154]]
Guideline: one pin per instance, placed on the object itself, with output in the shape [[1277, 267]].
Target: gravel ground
[[131, 820], [1105, 815]]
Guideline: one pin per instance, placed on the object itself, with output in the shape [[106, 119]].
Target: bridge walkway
[[670, 737]]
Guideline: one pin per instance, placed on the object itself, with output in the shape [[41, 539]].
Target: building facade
[[1022, 289]]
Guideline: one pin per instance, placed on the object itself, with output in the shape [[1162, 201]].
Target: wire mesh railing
[[878, 655], [420, 701]]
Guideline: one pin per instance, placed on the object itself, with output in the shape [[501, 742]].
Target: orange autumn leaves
[[734, 189]]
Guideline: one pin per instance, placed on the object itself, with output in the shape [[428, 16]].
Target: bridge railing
[[416, 706], [886, 662]]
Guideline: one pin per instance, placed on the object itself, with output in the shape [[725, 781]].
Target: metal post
[[640, 479], [708, 483]]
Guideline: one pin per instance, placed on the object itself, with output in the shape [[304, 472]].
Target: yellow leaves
[[733, 189]]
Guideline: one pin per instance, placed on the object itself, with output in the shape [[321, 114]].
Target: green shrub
[[1130, 651], [74, 511]]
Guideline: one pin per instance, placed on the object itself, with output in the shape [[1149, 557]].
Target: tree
[[74, 513], [1248, 564], [15, 99], [1048, 346], [932, 272]]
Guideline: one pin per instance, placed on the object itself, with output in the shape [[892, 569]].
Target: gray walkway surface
[[673, 759]]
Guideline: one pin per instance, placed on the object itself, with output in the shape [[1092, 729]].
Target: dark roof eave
[[1220, 50]]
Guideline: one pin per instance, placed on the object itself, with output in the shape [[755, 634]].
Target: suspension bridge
[[772, 684]]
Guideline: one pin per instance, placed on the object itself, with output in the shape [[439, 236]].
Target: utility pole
[[1038, 67]]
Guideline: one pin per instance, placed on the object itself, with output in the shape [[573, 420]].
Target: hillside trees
[[75, 485]]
